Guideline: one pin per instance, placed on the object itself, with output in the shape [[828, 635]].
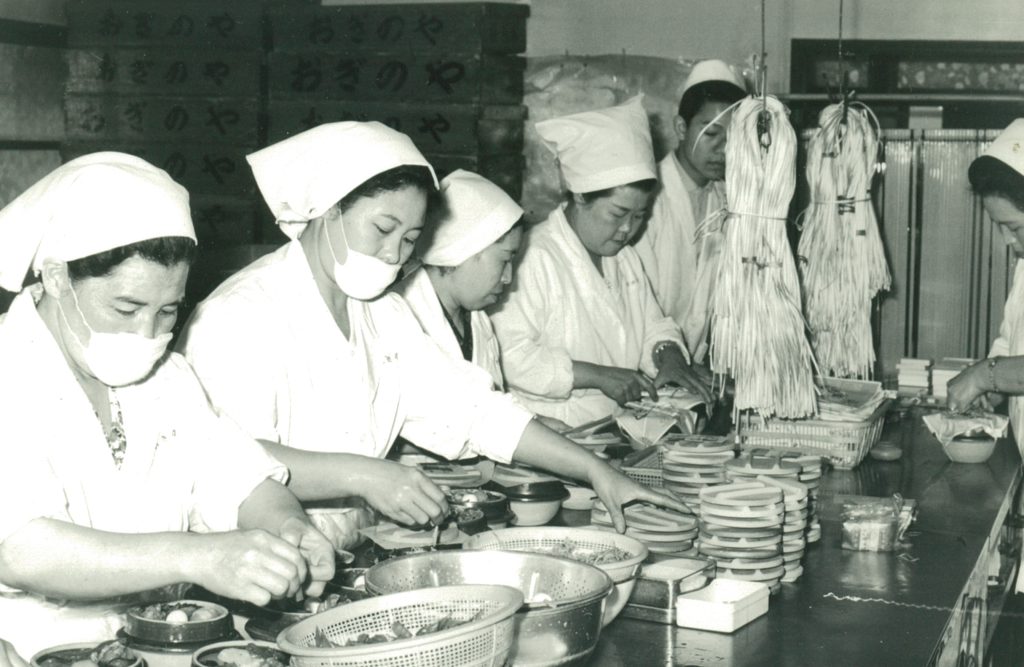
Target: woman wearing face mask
[[998, 178], [301, 349], [467, 265], [581, 331], [113, 451]]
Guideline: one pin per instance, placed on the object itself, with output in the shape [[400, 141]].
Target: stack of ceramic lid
[[741, 528], [662, 530], [691, 464], [810, 476], [794, 525]]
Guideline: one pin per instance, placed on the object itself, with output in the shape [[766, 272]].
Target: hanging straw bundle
[[843, 259], [758, 335]]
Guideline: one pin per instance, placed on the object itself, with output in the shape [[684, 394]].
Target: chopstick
[[589, 426]]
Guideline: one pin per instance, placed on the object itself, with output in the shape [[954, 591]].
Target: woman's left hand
[[615, 490], [967, 387], [316, 549], [686, 376]]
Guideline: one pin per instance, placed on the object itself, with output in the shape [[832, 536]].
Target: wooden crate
[[113, 118], [447, 79], [164, 72], [438, 128], [223, 25], [213, 169], [482, 27]]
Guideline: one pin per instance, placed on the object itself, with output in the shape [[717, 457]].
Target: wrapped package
[[948, 425], [875, 524]]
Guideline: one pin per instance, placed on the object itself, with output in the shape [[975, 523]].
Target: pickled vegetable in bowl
[[177, 612], [249, 655], [108, 654]]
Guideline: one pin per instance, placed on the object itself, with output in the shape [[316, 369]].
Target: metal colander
[[483, 642], [562, 620]]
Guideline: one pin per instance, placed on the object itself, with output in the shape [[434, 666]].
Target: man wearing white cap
[[467, 265], [581, 330], [306, 351], [680, 246], [112, 451]]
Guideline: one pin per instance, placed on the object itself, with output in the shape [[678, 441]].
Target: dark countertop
[[957, 508]]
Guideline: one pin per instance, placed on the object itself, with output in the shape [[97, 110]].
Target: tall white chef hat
[[602, 149], [712, 70], [92, 204], [303, 176], [477, 213], [1008, 147]]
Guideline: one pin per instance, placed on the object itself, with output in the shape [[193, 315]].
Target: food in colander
[[398, 631], [107, 654], [177, 612], [567, 548], [251, 655]]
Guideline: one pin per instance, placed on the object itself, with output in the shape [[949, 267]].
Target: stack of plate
[[794, 525], [741, 528], [690, 465], [662, 530], [810, 476], [749, 466]]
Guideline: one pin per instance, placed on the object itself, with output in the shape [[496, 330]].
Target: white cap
[[477, 214], [92, 204], [1008, 147], [712, 70], [602, 149], [303, 176]]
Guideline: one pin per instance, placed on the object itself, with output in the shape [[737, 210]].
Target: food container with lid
[[536, 503], [724, 605], [144, 629]]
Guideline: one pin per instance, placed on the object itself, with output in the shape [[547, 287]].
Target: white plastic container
[[724, 605]]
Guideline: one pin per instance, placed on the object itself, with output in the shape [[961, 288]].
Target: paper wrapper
[[341, 525], [647, 422], [391, 536], [947, 425]]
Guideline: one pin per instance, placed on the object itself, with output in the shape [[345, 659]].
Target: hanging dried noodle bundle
[[758, 334], [843, 260]]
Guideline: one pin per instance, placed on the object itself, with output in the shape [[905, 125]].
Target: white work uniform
[[184, 469], [418, 291], [273, 359], [562, 310], [680, 247]]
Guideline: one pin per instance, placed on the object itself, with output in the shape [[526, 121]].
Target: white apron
[[174, 476], [560, 309]]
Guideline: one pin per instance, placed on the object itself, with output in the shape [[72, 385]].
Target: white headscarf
[[1008, 147], [92, 204], [712, 70], [477, 214], [602, 149], [303, 176]]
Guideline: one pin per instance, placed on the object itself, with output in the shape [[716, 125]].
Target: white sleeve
[[658, 327], [449, 405], [233, 355], [528, 362]]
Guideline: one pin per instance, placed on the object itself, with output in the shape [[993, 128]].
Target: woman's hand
[[673, 369], [249, 565], [970, 385], [623, 385], [316, 550], [9, 657], [403, 493], [615, 490]]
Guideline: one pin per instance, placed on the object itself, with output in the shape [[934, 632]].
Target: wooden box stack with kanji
[[448, 75], [180, 85]]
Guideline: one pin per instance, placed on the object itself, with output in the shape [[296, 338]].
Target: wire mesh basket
[[483, 639], [843, 443]]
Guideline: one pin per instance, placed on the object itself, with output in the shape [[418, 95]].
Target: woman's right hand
[[403, 493], [249, 565], [623, 385], [9, 657]]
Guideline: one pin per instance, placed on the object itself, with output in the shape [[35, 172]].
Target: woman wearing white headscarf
[[307, 353], [581, 330], [112, 450], [467, 265]]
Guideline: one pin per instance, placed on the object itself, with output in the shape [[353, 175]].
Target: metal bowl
[[565, 599], [162, 632]]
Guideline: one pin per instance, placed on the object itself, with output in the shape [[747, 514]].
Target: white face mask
[[117, 359], [362, 276]]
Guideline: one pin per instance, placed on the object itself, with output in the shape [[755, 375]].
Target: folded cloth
[[947, 425]]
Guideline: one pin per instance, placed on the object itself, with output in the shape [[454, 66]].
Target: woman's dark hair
[[992, 176], [519, 224], [709, 91], [647, 185], [166, 251], [393, 180]]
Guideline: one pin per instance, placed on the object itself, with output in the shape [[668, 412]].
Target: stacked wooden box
[[180, 85], [445, 74]]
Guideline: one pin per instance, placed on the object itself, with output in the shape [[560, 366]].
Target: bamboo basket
[[843, 443]]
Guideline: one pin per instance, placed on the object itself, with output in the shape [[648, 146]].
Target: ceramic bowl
[[970, 449]]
